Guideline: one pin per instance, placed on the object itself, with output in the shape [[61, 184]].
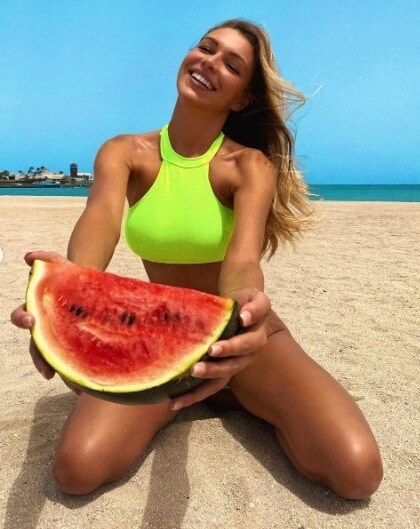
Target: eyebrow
[[229, 52]]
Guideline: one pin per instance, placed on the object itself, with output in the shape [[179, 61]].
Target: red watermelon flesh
[[118, 334]]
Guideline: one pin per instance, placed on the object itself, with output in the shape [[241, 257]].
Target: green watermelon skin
[[47, 338]]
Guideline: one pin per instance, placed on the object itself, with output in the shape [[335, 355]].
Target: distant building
[[49, 175], [44, 174], [86, 176]]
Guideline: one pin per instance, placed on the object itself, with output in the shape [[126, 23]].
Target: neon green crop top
[[180, 219]]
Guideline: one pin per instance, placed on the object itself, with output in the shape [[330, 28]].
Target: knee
[[74, 471], [359, 472]]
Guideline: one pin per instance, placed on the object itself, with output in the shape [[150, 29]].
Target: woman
[[228, 123]]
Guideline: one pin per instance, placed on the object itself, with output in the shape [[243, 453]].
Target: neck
[[192, 130]]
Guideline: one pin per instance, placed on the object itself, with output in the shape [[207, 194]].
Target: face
[[224, 61]]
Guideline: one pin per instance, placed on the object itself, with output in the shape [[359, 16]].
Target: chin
[[188, 94]]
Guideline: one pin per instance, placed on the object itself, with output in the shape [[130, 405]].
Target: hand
[[24, 320], [234, 354]]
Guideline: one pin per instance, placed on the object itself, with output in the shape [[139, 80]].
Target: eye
[[232, 68]]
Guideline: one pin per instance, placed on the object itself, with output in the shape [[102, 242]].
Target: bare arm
[[97, 232], [241, 266], [94, 238]]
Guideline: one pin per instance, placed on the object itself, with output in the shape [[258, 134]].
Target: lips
[[196, 70]]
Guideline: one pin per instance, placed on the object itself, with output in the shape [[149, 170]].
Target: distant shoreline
[[332, 192], [39, 186], [47, 184]]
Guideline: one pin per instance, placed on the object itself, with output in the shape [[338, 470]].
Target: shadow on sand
[[169, 484]]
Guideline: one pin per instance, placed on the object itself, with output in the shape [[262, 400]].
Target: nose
[[207, 63]]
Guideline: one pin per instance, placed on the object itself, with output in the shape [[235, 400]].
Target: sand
[[349, 294]]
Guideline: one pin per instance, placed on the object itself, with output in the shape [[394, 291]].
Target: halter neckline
[[169, 154]]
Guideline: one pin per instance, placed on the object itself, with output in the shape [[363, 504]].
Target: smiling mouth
[[199, 82]]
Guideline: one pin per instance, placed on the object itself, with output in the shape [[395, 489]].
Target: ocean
[[352, 193], [363, 193]]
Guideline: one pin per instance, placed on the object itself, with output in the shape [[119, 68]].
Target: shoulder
[[130, 147], [255, 162], [133, 142], [248, 164]]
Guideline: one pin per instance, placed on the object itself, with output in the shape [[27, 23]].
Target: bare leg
[[317, 423], [101, 440]]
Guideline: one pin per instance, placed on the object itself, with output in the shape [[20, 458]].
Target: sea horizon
[[339, 192]]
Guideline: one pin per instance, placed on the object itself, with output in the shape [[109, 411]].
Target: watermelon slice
[[124, 339]]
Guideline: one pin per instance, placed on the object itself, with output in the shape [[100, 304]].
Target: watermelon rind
[[172, 383]]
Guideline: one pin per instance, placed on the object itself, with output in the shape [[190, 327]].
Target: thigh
[[316, 421], [104, 438]]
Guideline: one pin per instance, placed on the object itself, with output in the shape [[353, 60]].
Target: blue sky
[[75, 73]]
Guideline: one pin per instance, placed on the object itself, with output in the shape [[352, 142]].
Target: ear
[[243, 102]]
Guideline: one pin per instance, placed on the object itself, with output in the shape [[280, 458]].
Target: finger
[[45, 369], [256, 309], [19, 317], [224, 368], [245, 343], [204, 390], [49, 257]]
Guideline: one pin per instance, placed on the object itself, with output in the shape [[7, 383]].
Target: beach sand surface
[[349, 294]]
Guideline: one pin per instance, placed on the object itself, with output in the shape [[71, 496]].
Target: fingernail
[[27, 320], [44, 374], [215, 350], [197, 370], [176, 406], [245, 317]]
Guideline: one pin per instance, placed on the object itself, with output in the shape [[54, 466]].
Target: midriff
[[201, 276]]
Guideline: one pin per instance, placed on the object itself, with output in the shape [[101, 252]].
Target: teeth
[[203, 80]]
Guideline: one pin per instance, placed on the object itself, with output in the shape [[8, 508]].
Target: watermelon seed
[[166, 316], [123, 317], [131, 319], [72, 308], [78, 311], [84, 314]]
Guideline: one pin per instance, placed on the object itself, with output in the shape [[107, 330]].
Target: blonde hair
[[262, 125]]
